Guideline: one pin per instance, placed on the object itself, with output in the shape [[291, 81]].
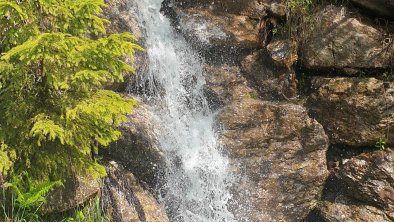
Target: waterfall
[[197, 176]]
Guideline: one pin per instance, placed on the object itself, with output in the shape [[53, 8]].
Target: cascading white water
[[197, 178]]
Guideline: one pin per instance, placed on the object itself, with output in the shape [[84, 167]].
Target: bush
[[55, 112]]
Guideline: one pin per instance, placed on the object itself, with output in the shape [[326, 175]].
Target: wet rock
[[78, 189], [283, 53], [138, 148], [209, 28], [225, 84], [354, 111], [124, 199], [384, 8], [337, 40], [218, 36], [279, 154], [369, 177], [122, 20], [251, 8], [273, 81], [346, 210]]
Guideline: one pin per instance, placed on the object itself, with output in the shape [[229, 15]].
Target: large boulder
[[125, 200], [384, 8], [278, 153], [219, 37], [77, 190], [225, 84], [338, 40], [346, 210], [283, 53], [369, 177], [354, 111], [270, 72], [138, 148]]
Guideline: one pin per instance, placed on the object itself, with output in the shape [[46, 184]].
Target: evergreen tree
[[54, 110]]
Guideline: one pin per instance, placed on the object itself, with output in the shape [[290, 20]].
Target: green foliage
[[252, 95], [300, 4], [7, 158], [91, 213], [28, 194], [27, 197], [387, 76], [55, 110], [380, 144]]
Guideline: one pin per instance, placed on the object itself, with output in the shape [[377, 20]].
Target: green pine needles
[[55, 61]]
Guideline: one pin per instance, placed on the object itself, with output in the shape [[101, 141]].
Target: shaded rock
[[384, 8], [125, 200], [138, 148], [337, 40], [279, 154], [273, 82], [251, 8], [346, 210], [354, 111], [77, 190], [369, 177], [227, 36], [225, 84], [122, 20]]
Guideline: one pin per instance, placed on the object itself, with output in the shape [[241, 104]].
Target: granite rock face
[[270, 72], [279, 154], [225, 84], [208, 28], [369, 177], [338, 40], [218, 37], [126, 200], [346, 210], [354, 111], [138, 148], [78, 189]]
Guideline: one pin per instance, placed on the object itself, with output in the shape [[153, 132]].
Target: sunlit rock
[[283, 53], [226, 84], [354, 111], [219, 37], [335, 39], [279, 154], [272, 81], [344, 209], [78, 189], [369, 177], [124, 199]]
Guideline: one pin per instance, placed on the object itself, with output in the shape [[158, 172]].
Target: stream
[[197, 178]]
